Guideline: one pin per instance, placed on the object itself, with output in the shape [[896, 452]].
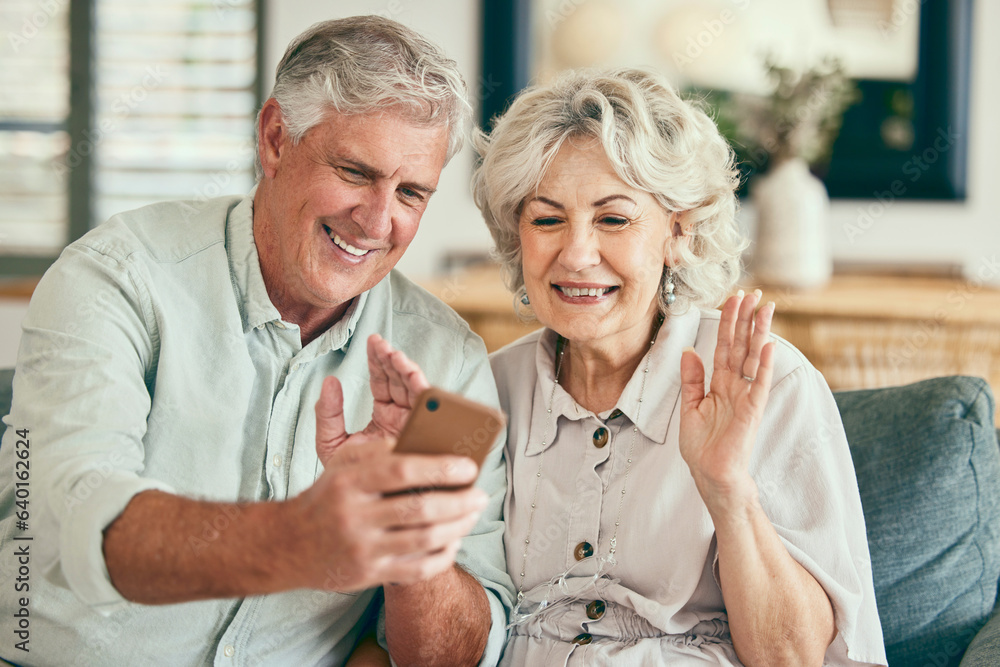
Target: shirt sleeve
[[809, 491], [80, 388], [482, 552]]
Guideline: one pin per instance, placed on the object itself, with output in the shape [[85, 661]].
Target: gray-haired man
[[196, 497]]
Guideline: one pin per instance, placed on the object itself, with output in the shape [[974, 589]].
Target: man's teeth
[[357, 252], [583, 291]]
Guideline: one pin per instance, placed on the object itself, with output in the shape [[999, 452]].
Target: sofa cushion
[[6, 393], [928, 470], [984, 651]]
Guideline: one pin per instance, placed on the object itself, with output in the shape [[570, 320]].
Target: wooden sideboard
[[860, 331]]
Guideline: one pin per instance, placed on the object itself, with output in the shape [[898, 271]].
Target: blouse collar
[[659, 398]]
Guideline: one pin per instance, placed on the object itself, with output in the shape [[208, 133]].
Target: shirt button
[[277, 460], [616, 414], [582, 639], [280, 324], [595, 609], [583, 550], [600, 437], [229, 651]]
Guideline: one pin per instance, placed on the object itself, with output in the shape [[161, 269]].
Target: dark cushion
[[928, 470], [984, 651], [6, 392]]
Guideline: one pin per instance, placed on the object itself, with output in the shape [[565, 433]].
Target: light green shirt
[[152, 358]]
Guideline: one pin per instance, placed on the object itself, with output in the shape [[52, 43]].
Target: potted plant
[[783, 133]]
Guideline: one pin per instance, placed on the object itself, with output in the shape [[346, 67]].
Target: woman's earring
[[669, 287], [525, 300]]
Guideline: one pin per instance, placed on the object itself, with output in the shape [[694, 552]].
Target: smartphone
[[445, 423]]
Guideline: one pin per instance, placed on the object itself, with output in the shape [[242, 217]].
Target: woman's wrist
[[734, 498]]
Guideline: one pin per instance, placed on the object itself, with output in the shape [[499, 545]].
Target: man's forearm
[[165, 549], [442, 621]]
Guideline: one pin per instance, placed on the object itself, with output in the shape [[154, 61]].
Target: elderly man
[[190, 375]]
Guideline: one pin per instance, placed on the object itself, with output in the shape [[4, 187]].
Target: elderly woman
[[658, 511]]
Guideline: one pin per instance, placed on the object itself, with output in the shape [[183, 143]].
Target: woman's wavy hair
[[656, 142], [366, 63]]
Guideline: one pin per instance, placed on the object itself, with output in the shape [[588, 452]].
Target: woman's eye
[[545, 222], [614, 220]]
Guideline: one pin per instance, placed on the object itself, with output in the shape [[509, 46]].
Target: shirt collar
[[659, 397], [244, 267], [255, 304]]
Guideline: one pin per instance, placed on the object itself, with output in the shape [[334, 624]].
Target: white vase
[[793, 227]]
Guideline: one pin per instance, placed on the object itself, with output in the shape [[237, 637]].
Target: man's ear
[[273, 137]]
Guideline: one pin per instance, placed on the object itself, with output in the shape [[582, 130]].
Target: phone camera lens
[[432, 404]]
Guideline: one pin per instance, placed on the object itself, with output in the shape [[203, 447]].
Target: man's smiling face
[[334, 213]]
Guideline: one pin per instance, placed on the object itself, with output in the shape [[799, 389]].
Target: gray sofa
[[928, 467]]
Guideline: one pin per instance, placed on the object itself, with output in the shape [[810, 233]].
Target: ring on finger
[[748, 378]]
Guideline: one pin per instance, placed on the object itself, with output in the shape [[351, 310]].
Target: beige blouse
[[661, 602]]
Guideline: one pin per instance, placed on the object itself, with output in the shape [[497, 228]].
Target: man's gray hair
[[363, 63]]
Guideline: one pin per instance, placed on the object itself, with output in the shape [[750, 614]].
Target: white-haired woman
[[658, 511]]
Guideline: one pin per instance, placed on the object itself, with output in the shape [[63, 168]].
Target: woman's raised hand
[[718, 429]]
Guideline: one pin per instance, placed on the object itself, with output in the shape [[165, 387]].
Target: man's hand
[[359, 526], [395, 383]]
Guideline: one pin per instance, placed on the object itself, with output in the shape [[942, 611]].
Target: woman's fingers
[[692, 380], [743, 331], [761, 387], [760, 335], [727, 324]]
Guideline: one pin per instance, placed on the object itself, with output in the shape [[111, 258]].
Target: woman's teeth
[[583, 291], [357, 252]]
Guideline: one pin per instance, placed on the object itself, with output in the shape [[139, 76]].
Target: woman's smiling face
[[593, 248]]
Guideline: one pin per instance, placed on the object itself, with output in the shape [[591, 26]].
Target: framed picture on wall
[[908, 135]]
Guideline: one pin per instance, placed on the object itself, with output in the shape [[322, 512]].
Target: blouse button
[[600, 437], [583, 550], [583, 638], [616, 414], [595, 609]]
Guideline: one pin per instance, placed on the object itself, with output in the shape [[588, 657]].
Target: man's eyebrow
[[372, 172]]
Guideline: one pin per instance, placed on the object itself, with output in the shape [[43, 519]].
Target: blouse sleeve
[[808, 489]]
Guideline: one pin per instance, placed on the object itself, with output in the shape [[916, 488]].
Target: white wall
[[905, 232]]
